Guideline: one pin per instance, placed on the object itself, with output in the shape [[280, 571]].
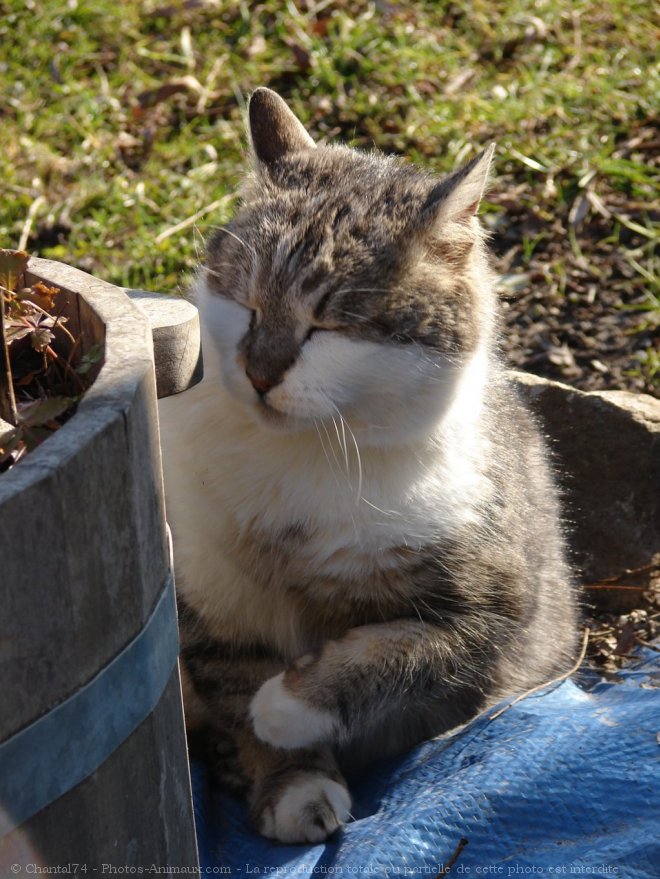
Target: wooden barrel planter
[[93, 761]]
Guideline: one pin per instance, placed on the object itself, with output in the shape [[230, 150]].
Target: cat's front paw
[[284, 720], [307, 809]]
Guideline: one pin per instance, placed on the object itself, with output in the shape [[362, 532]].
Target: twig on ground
[[68, 369], [179, 227], [58, 322], [619, 581], [577, 41], [557, 680], [617, 587], [27, 226], [454, 857], [8, 410]]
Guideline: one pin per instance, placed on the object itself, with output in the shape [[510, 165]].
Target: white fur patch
[[284, 721], [386, 394], [230, 480], [309, 810]]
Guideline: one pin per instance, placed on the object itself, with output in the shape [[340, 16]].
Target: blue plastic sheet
[[564, 783]]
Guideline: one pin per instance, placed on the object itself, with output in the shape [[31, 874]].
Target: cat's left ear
[[456, 198], [275, 130]]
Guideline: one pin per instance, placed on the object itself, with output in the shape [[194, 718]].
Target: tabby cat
[[366, 533]]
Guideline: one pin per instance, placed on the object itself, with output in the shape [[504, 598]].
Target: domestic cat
[[366, 533]]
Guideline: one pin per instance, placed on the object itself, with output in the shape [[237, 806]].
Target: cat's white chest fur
[[231, 484]]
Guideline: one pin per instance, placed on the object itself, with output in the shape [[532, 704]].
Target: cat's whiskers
[[359, 317], [362, 290], [332, 449], [342, 445], [416, 609], [327, 458], [198, 239], [247, 246], [325, 451], [225, 265], [391, 513], [332, 469], [350, 485], [447, 360], [358, 457], [343, 434]]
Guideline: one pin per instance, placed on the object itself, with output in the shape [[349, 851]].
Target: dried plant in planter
[[42, 372]]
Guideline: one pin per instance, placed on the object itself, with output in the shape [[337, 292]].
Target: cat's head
[[348, 283]]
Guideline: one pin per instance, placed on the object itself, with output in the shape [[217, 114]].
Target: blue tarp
[[564, 783]]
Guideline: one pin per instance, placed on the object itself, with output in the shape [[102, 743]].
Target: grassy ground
[[121, 140]]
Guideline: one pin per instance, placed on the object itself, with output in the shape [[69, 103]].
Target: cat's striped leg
[[391, 683], [296, 796]]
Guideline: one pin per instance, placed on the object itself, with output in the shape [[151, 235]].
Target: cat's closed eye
[[320, 306], [312, 331]]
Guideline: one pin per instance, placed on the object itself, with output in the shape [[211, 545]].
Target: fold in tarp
[[563, 783]]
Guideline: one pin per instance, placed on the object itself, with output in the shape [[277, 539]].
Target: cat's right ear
[[274, 130], [456, 198]]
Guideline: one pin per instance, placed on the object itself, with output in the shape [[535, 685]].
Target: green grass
[[569, 90]]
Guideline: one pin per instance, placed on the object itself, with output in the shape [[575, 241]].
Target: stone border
[[607, 458]]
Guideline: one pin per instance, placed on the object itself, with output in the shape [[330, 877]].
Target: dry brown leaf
[[13, 264]]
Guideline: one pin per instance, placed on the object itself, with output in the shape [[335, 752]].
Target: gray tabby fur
[[308, 647]]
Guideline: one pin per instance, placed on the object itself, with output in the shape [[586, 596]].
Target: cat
[[367, 537]]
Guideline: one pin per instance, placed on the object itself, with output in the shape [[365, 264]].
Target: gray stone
[[606, 446]]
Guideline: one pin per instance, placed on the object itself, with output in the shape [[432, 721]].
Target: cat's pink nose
[[261, 385]]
